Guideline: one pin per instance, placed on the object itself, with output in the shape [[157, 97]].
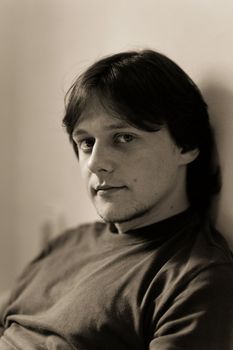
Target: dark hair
[[147, 89]]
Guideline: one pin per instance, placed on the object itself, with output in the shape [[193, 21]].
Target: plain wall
[[9, 253], [45, 44]]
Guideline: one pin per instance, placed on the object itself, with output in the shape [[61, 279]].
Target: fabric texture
[[167, 286]]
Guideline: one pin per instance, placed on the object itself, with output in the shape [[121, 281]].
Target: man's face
[[131, 174]]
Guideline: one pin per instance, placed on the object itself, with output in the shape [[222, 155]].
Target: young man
[[154, 275]]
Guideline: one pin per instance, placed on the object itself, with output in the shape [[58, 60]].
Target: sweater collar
[[161, 230]]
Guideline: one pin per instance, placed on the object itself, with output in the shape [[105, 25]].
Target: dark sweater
[[167, 286]]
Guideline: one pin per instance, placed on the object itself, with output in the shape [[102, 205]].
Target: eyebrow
[[117, 126]]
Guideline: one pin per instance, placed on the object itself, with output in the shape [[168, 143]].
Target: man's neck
[[150, 217]]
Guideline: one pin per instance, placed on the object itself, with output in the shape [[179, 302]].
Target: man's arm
[[200, 317], [4, 298]]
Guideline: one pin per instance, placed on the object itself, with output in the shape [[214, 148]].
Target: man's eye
[[86, 145], [124, 138]]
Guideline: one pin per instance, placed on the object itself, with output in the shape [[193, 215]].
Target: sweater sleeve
[[28, 271], [200, 314]]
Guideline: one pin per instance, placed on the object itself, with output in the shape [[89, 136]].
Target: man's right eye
[[86, 144]]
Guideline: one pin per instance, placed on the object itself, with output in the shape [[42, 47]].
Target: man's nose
[[101, 159]]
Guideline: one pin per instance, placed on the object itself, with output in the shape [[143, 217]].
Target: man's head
[[149, 92]]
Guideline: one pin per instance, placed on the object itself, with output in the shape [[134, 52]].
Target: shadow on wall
[[220, 101]]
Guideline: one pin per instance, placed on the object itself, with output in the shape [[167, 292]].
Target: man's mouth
[[107, 189]]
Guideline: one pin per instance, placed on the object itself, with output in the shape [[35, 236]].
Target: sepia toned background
[[44, 45]]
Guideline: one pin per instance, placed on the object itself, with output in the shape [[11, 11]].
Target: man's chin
[[114, 216], [111, 217]]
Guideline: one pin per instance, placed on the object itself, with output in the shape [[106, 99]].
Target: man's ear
[[188, 156]]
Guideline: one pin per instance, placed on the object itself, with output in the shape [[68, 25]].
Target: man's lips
[[107, 189]]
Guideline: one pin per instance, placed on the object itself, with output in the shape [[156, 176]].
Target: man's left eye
[[124, 138]]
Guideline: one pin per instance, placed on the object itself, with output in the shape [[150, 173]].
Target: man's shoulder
[[199, 260], [211, 247], [204, 253], [72, 236], [76, 234]]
